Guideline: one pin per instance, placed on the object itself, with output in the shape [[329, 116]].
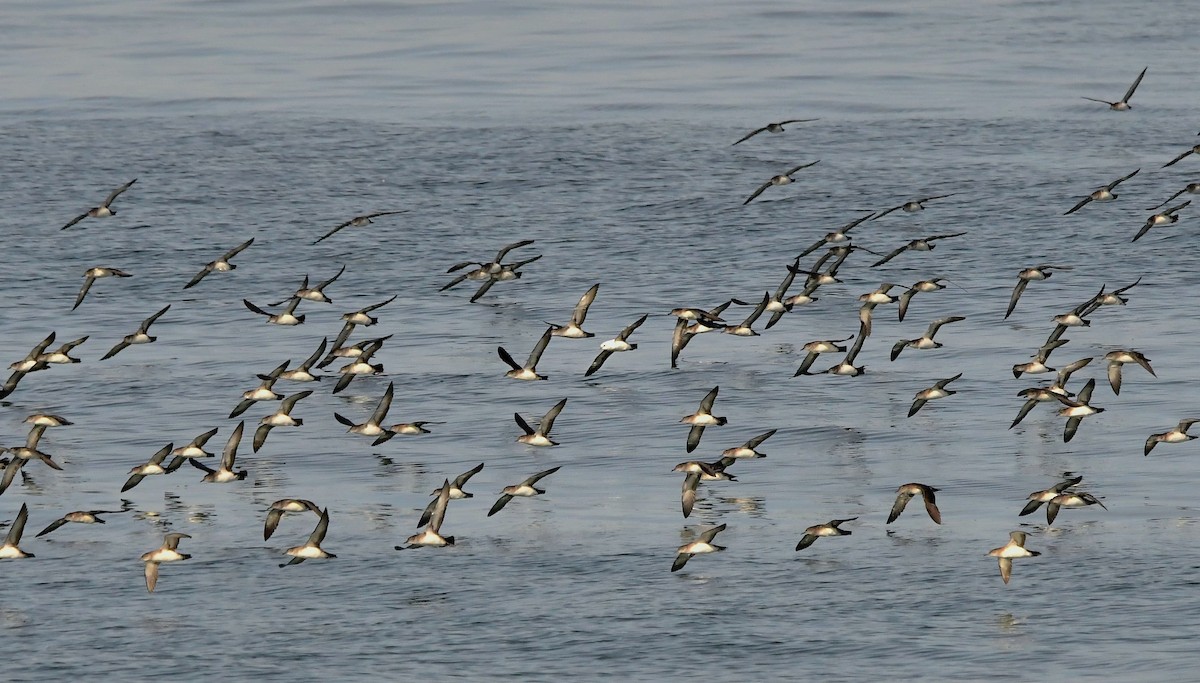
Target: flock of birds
[[835, 249]]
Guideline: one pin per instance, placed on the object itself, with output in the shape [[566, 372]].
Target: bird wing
[[536, 354], [710, 534], [87, 284], [1122, 179], [916, 406], [1137, 81], [461, 479], [482, 289], [682, 558], [631, 327], [693, 437], [529, 431], [333, 231], [237, 250], [201, 466], [597, 363], [145, 326], [385, 403], [151, 576], [439, 508], [509, 247], [1114, 377], [272, 523], [198, 277], [290, 401], [1174, 161], [318, 534], [706, 404], [117, 192], [802, 167], [75, 220], [761, 188], [229, 453], [690, 483], [581, 309], [499, 504], [260, 437], [1082, 203], [539, 476], [53, 525], [891, 255], [1071, 428], [1017, 291], [1028, 406], [551, 415], [746, 137], [898, 507]]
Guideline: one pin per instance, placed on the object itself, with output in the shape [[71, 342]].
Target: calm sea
[[603, 132]]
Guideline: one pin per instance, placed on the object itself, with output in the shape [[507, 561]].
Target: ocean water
[[602, 132]]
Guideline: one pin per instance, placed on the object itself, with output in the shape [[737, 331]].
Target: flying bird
[[142, 335], [529, 370], [1123, 103], [702, 545], [525, 489], [906, 492], [541, 435], [781, 179], [1165, 217], [1009, 551], [616, 345], [1102, 194], [225, 472], [812, 533], [221, 265], [938, 390], [90, 276], [168, 552], [357, 222], [924, 244], [913, 205], [311, 549], [104, 209], [1039, 272], [1177, 435], [574, 328], [771, 128], [702, 418]]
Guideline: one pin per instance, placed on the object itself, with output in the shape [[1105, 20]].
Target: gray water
[[602, 132]]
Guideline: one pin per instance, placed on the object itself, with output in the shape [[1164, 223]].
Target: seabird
[[1013, 549], [525, 489], [104, 209], [574, 328], [925, 341], [905, 494], [703, 544], [312, 547], [357, 222], [924, 244], [1039, 272], [1103, 194], [541, 435], [90, 276], [221, 265], [142, 335], [781, 179], [529, 370], [771, 128], [938, 390], [702, 418], [225, 472], [168, 552], [1123, 103], [812, 533]]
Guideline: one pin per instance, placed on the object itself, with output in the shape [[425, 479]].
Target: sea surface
[[603, 132]]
